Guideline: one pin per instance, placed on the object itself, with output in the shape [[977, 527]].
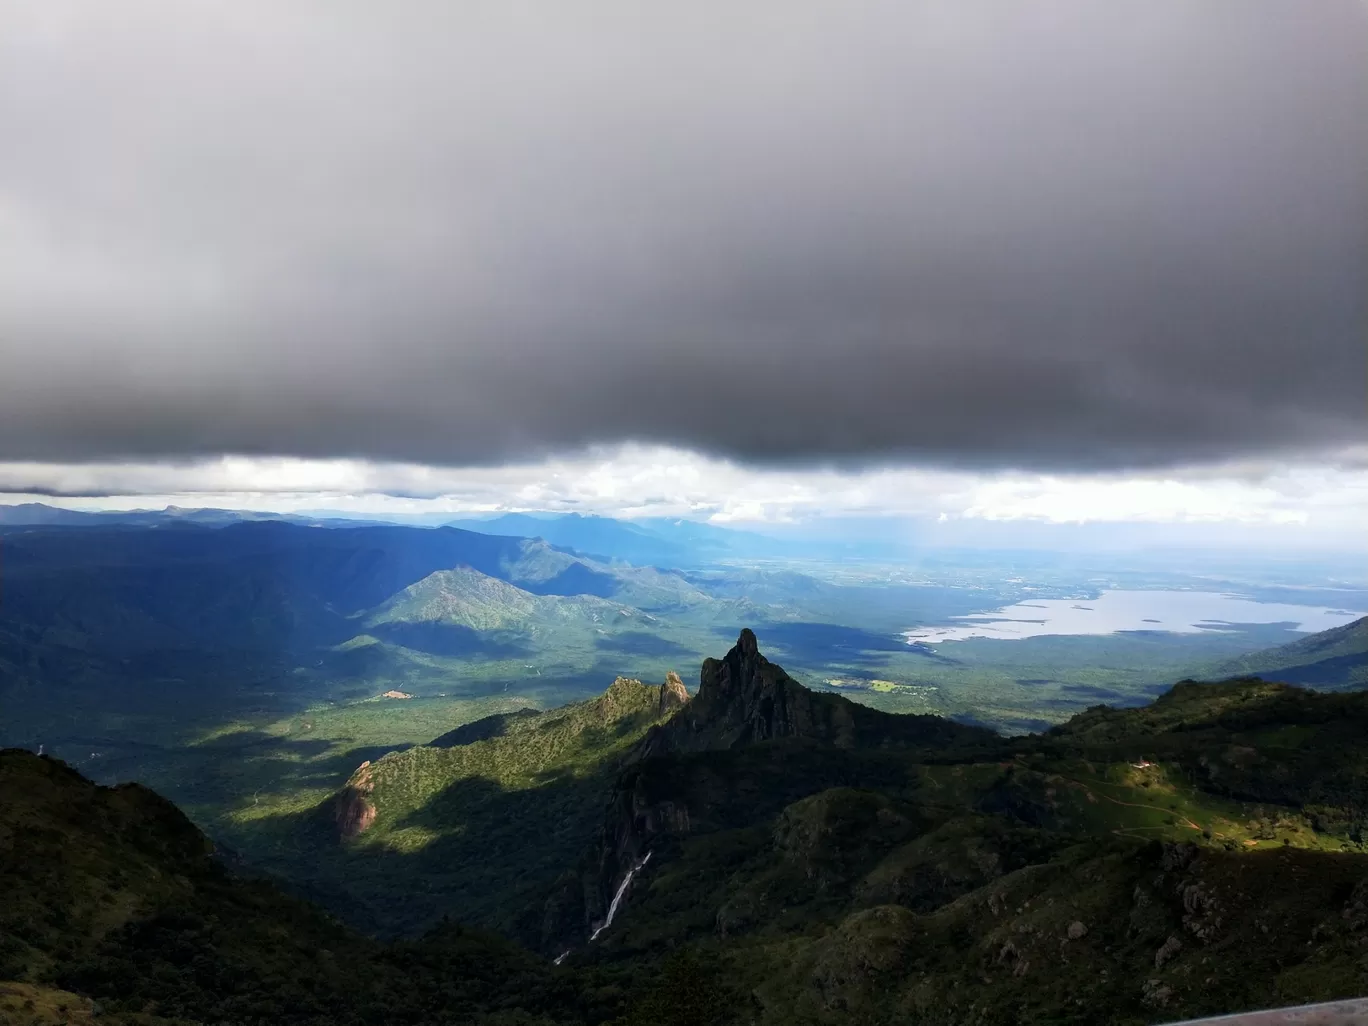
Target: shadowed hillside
[[757, 854], [116, 911], [1199, 855], [478, 823], [744, 698], [1330, 660]]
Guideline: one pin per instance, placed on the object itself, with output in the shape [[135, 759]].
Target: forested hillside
[[755, 853], [1329, 660]]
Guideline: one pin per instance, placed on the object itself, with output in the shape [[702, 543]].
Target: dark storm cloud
[[1045, 234]]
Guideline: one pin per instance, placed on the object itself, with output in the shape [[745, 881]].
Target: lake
[[1182, 612]]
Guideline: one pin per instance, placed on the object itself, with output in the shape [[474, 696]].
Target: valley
[[387, 731], [413, 726], [751, 851], [239, 665]]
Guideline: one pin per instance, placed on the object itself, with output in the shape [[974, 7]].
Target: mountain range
[[38, 514], [119, 635], [649, 541], [115, 613], [246, 668], [753, 852], [643, 541]]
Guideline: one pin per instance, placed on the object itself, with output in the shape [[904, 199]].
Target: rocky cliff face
[[673, 694], [352, 809], [636, 819], [742, 699]]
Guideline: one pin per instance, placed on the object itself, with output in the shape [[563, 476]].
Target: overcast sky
[[985, 239]]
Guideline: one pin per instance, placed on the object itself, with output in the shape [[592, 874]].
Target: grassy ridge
[[576, 741], [478, 829], [1199, 855]]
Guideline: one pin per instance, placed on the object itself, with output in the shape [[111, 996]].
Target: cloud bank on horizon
[[1061, 237], [1249, 505]]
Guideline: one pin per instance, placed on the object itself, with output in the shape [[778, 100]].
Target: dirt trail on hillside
[[1136, 805]]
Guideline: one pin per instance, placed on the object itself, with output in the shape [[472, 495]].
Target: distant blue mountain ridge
[[653, 541]]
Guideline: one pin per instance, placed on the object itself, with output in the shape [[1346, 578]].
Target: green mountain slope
[[757, 854], [478, 824], [464, 597], [1200, 855], [115, 911], [131, 645], [1337, 658]]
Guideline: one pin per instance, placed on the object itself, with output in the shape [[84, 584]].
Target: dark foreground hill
[[115, 910], [1200, 855], [753, 854]]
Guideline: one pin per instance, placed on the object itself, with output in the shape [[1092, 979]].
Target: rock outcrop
[[744, 698], [673, 694], [352, 809]]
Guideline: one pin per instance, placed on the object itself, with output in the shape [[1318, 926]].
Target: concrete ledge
[[1332, 1013]]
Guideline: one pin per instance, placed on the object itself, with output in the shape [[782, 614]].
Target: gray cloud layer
[[1063, 234]]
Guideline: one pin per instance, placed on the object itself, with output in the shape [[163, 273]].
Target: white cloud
[[1057, 500], [1329, 496]]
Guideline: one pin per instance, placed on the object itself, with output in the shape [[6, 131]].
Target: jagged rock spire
[[744, 698], [673, 694]]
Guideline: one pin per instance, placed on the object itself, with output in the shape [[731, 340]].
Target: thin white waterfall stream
[[617, 898]]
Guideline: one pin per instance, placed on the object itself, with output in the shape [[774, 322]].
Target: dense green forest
[[793, 857], [245, 666]]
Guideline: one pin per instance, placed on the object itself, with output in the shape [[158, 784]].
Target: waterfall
[[561, 957], [617, 898]]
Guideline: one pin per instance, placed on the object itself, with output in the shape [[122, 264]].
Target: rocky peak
[[673, 694], [746, 645], [742, 665], [743, 698]]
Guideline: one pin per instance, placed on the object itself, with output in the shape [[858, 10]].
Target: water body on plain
[[1183, 612]]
